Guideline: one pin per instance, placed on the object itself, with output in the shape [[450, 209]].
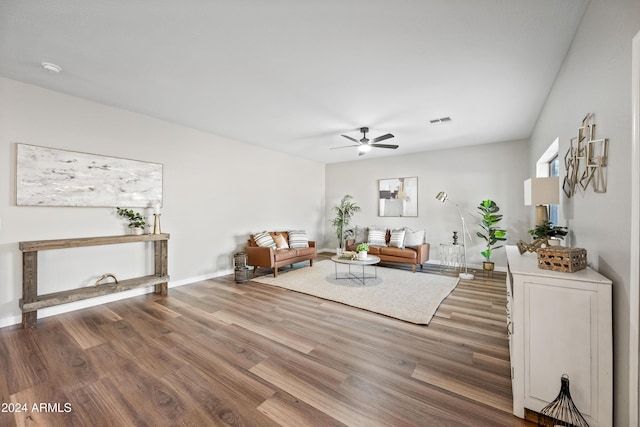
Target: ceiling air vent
[[440, 121]]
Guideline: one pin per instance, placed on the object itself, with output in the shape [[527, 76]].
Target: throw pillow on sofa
[[397, 238], [264, 240], [377, 237], [298, 239], [414, 238], [281, 242], [359, 234]]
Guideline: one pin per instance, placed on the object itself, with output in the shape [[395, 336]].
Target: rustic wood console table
[[31, 301]]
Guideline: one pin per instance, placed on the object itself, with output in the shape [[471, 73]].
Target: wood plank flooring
[[217, 353]]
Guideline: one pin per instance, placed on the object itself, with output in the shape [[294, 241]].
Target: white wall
[[216, 192], [468, 175], [596, 78]]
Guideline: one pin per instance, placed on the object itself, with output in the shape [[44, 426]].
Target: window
[[554, 170]]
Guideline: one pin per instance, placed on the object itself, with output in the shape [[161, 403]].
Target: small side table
[[451, 257]]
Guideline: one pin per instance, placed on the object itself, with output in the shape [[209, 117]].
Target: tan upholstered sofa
[[393, 250], [284, 248]]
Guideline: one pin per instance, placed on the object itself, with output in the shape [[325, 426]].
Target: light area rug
[[412, 297]]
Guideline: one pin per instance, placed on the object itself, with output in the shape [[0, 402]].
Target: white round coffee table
[[369, 260]]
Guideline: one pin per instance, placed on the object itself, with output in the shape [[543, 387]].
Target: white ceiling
[[293, 75]]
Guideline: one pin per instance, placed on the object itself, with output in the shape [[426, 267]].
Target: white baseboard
[[92, 302]]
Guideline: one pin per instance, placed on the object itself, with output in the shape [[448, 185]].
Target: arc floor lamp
[[443, 197]]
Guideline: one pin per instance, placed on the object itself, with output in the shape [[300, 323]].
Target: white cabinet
[[559, 323]]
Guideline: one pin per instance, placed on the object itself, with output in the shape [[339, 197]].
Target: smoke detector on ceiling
[[52, 68]]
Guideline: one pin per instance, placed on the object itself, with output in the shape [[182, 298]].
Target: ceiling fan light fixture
[[364, 148], [365, 145]]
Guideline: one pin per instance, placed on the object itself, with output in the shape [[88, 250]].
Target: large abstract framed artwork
[[398, 197], [53, 177]]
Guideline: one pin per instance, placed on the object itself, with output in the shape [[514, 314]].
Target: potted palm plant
[[344, 211], [491, 233]]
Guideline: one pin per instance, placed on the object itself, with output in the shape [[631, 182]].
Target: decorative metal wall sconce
[[586, 160]]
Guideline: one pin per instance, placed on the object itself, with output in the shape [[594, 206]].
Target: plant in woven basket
[[491, 233]]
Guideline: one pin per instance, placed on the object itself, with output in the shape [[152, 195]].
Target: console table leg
[[161, 257], [162, 289], [30, 320], [29, 287]]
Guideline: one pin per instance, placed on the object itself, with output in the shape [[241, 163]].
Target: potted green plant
[[362, 249], [344, 211], [491, 233], [137, 222], [548, 232]]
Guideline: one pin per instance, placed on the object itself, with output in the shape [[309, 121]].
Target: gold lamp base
[[542, 214]]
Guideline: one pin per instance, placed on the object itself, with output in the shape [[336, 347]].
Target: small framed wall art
[[398, 196]]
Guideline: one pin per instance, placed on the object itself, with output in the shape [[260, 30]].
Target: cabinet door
[[560, 337]]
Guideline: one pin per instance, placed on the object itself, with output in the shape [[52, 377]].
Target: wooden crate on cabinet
[[559, 323]]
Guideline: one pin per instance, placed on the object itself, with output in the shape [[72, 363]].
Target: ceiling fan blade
[[382, 138], [393, 146], [346, 146], [352, 139]]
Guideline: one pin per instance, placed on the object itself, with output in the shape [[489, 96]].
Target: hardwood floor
[[220, 353]]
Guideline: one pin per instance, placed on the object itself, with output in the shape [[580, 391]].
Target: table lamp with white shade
[[542, 192]]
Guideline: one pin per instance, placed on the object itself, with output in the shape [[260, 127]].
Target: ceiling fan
[[365, 144]]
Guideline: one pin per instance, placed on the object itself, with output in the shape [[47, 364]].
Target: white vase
[[362, 255], [136, 230]]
